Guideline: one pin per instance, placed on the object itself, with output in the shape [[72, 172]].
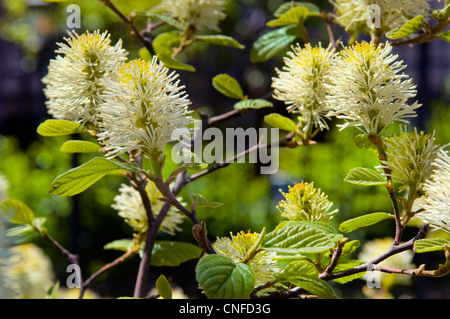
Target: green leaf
[[78, 179], [51, 293], [199, 200], [228, 86], [364, 176], [163, 286], [273, 42], [430, 244], [222, 40], [76, 146], [172, 63], [170, 21], [361, 141], [347, 264], [362, 221], [221, 278], [58, 128], [17, 212], [294, 237], [172, 253], [445, 36], [280, 121], [285, 7], [305, 275], [19, 230], [120, 244], [252, 104], [191, 159], [407, 29], [295, 16]]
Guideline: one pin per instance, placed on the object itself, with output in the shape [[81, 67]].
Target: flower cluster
[[301, 84], [437, 189], [129, 206], [303, 202], [201, 15], [368, 91], [76, 78]]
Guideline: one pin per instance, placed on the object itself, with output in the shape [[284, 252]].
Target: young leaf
[[362, 221], [364, 176], [252, 104], [228, 86], [78, 179], [445, 36], [172, 63], [51, 293], [163, 286], [347, 264], [273, 42], [172, 253], [76, 146], [285, 7], [222, 40], [17, 212], [120, 244], [199, 200], [300, 237], [58, 128], [408, 28], [221, 278], [430, 244], [295, 16], [281, 122]]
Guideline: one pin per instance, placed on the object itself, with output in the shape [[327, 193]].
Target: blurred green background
[[29, 31]]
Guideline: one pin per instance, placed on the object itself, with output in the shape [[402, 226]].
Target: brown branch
[[425, 37]]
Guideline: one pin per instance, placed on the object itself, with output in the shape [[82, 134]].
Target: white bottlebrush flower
[[353, 14], [76, 77], [300, 84], [410, 156], [199, 14], [236, 248], [368, 91], [437, 190], [142, 108], [129, 206], [303, 202]]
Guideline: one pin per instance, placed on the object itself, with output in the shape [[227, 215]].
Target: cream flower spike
[[437, 189], [201, 14], [76, 78], [142, 109], [300, 84], [368, 91]]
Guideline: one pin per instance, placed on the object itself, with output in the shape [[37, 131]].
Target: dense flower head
[[367, 89], [410, 155], [300, 84], [353, 14], [76, 77], [142, 108], [304, 202], [437, 189], [237, 247], [128, 204], [200, 14]]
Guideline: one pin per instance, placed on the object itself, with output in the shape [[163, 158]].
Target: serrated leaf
[[58, 128], [120, 244], [163, 287], [295, 16], [78, 179], [300, 237], [252, 104], [273, 42], [430, 244], [305, 275], [280, 121], [17, 212], [222, 40], [199, 200], [76, 146], [172, 253], [362, 221], [364, 176], [407, 29], [221, 278], [285, 7], [445, 36], [228, 86]]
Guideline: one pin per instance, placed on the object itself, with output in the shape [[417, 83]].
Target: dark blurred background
[[29, 30]]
